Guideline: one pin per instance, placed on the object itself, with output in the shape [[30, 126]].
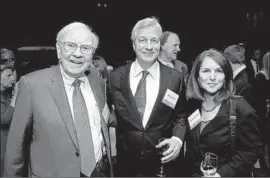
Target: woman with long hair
[[210, 94]]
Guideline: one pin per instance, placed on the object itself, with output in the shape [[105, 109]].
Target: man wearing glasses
[[7, 57], [59, 127]]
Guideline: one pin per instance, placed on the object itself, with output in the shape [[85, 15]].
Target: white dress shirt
[[92, 108], [152, 85], [237, 71]]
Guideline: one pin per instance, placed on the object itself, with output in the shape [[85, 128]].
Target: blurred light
[[105, 5], [98, 4]]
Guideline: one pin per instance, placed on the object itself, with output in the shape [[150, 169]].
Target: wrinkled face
[[147, 45], [7, 58], [211, 76], [7, 79], [75, 63], [171, 47], [257, 55]]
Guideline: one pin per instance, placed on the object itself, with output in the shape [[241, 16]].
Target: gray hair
[[146, 23], [165, 36], [75, 25], [232, 49]]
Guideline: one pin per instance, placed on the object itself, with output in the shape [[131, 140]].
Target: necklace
[[209, 110]]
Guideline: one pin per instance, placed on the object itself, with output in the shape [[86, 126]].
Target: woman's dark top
[[216, 138]]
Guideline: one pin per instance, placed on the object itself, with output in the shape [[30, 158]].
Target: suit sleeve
[[180, 127], [186, 73], [112, 118], [248, 143], [20, 134]]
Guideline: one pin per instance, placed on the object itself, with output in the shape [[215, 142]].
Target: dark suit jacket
[[243, 86], [241, 83], [215, 138], [261, 90], [42, 131], [181, 67], [133, 140]]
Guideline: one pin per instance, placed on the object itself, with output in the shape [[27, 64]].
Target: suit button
[[77, 153]]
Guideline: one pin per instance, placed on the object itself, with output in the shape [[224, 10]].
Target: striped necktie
[[140, 95], [83, 130]]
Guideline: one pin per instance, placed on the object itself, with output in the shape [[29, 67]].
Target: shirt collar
[[164, 62], [69, 80], [237, 71], [153, 70]]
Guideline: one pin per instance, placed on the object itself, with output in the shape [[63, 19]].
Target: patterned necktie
[[83, 130], [140, 95]]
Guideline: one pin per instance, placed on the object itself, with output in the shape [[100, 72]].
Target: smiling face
[[171, 47], [75, 63], [211, 76], [147, 45]]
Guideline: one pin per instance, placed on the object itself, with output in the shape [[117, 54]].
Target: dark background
[[200, 24]]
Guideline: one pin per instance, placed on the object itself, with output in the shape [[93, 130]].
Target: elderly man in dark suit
[[170, 47], [59, 124], [236, 55], [148, 98]]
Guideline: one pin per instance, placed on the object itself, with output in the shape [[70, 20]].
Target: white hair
[[146, 23], [75, 25]]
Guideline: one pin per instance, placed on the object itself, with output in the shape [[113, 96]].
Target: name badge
[[170, 98], [106, 113], [194, 119]]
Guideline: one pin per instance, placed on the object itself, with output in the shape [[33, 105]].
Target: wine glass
[[160, 151], [209, 164]]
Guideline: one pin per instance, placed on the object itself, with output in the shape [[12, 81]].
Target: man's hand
[[173, 151]]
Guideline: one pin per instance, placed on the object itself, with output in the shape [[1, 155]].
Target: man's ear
[[58, 50]]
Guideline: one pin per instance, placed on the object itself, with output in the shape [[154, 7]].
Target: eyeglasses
[[71, 47], [7, 61]]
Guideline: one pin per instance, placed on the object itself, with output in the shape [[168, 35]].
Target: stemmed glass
[[160, 151], [209, 164]]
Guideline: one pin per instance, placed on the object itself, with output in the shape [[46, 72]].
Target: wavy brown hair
[[193, 88]]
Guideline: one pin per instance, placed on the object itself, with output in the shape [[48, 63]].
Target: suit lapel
[[165, 83], [99, 94], [129, 98], [59, 95], [218, 121]]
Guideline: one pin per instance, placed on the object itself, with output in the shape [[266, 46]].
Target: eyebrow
[[210, 68]]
